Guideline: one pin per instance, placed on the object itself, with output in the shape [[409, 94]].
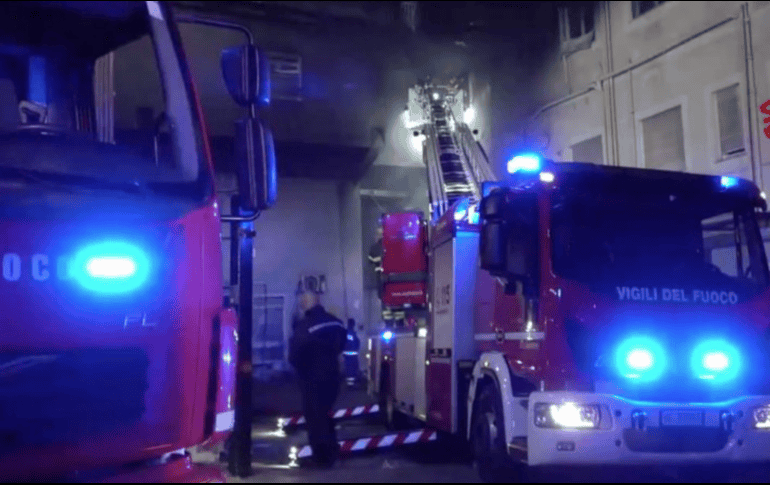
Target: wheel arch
[[492, 369]]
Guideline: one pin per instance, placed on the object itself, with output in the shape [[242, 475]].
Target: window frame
[[586, 38], [588, 137], [721, 156], [636, 8], [640, 116]]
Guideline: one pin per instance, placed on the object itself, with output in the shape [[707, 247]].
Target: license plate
[[681, 418]]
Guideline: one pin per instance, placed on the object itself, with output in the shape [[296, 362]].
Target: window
[[641, 238], [664, 140], [641, 8], [588, 151], [730, 121], [576, 21], [285, 76], [100, 82], [269, 340]]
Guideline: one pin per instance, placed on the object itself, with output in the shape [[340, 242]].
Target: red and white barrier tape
[[299, 419], [361, 444]]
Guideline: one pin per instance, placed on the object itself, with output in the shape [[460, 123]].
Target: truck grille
[[61, 397]]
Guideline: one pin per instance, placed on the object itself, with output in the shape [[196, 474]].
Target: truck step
[[298, 419], [376, 442]]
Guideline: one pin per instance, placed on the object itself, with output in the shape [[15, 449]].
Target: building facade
[[667, 85]]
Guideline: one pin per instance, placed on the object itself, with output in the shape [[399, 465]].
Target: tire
[[490, 453]]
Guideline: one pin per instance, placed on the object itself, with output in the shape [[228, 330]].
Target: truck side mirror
[[246, 71], [255, 159], [493, 240], [509, 238]]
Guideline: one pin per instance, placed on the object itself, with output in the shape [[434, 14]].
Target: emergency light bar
[[728, 182], [529, 162]]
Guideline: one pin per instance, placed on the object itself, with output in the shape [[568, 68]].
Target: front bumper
[[638, 433]]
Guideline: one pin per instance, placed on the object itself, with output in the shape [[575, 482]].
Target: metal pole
[[234, 248], [240, 451]]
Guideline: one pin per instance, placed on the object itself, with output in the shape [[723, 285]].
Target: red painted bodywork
[[403, 294], [403, 236], [404, 260], [191, 325], [438, 382], [38, 318], [551, 360]]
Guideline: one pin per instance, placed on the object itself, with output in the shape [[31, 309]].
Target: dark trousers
[[318, 396], [351, 368]]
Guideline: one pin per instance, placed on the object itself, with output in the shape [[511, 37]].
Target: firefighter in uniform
[[352, 345], [314, 351]]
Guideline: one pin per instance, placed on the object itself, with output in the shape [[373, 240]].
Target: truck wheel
[[490, 453]]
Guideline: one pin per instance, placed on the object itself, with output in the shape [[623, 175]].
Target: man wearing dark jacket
[[314, 351]]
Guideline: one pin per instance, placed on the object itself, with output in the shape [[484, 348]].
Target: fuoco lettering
[[11, 267], [39, 267]]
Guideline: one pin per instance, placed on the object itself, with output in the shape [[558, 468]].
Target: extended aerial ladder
[[457, 164]]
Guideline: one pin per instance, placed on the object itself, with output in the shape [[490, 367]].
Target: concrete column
[[352, 251]]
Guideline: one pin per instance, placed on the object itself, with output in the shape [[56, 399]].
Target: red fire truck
[[117, 352], [576, 314]]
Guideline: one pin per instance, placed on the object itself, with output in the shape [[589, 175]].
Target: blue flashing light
[[641, 359], [728, 182], [715, 360], [387, 335], [524, 163], [473, 214], [111, 267]]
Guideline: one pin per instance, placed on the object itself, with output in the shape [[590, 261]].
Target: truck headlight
[[567, 415], [762, 417]]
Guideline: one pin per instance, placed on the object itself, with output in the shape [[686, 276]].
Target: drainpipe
[[563, 100], [566, 73], [751, 98], [611, 127], [629, 68], [667, 50]]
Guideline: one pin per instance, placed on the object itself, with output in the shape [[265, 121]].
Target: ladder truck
[[574, 314]]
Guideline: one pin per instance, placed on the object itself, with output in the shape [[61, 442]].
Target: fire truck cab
[[588, 315], [117, 350]]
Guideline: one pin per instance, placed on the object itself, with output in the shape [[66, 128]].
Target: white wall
[[688, 75], [314, 229]]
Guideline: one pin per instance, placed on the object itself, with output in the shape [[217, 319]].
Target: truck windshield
[[94, 91], [714, 246]]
